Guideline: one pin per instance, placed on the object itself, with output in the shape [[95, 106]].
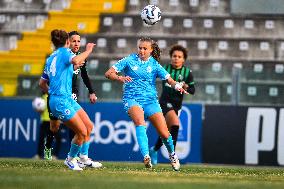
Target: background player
[[171, 100]]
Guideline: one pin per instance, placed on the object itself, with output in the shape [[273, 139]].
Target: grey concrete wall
[[257, 6]]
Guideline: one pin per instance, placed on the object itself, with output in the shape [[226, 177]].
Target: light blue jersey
[[59, 70], [143, 74]]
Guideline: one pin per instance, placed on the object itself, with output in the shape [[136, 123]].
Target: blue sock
[[169, 144], [142, 139], [85, 148], [74, 150]]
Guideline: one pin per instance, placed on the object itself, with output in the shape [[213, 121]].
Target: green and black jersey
[[85, 78], [169, 94]]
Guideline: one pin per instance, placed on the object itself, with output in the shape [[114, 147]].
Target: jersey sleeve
[[68, 55], [162, 73], [121, 64], [86, 78], [44, 76], [189, 79], [45, 73]]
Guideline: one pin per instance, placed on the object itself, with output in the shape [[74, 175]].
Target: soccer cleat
[[147, 161], [47, 153], [88, 162], [174, 162], [72, 164], [154, 156]]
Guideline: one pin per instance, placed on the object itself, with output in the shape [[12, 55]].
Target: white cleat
[[147, 161], [87, 162], [72, 164], [174, 162]]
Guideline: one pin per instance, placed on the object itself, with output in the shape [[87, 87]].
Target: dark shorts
[[168, 106]]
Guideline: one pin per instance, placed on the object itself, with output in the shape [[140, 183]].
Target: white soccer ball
[[151, 14], [39, 104]]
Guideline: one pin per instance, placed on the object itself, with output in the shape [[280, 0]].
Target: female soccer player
[[75, 44], [83, 161], [140, 95], [171, 100], [59, 68]]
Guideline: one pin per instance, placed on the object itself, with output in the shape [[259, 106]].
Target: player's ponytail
[[156, 53]]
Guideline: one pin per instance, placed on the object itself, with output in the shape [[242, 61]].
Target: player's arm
[[176, 85], [164, 75], [189, 84], [86, 79], [43, 84], [87, 82], [80, 59], [112, 74]]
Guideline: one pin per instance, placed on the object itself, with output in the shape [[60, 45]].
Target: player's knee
[[89, 128], [82, 135], [139, 122]]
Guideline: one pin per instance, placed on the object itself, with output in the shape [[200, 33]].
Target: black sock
[[158, 144], [49, 139], [174, 133]]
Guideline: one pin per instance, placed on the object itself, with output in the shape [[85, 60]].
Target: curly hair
[[178, 48]]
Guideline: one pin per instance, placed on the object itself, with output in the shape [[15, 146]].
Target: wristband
[[178, 86]]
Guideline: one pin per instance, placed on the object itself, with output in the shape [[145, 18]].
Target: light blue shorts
[[62, 107], [149, 108]]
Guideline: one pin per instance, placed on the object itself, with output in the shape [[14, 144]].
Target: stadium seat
[[212, 7], [21, 21], [28, 85], [261, 93], [216, 39], [31, 18], [98, 67], [199, 48], [107, 90], [209, 92], [196, 26]]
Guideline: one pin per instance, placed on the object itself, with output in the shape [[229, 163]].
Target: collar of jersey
[[143, 61]]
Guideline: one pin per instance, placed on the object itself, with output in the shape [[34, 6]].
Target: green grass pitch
[[40, 174]]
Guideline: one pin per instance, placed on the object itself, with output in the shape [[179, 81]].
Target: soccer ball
[[38, 104], [151, 14]]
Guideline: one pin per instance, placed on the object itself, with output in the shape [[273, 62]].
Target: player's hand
[[90, 46], [124, 79], [179, 87], [185, 86], [93, 98]]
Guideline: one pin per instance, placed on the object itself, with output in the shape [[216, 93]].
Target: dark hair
[[178, 48], [156, 53], [73, 33], [58, 37]]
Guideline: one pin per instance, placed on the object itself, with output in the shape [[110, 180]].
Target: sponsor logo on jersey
[[67, 112], [135, 68]]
